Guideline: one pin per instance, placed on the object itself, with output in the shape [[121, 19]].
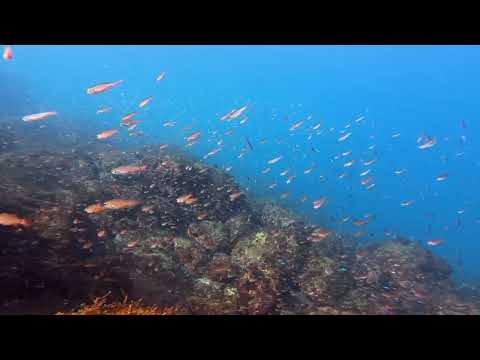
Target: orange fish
[[430, 143], [39, 116], [129, 169], [367, 180], [194, 136], [104, 110], [8, 53], [186, 199], [106, 134], [7, 219], [360, 222], [132, 243], [145, 102], [435, 242], [117, 204], [202, 216], [295, 126], [129, 116], [94, 209], [100, 88], [235, 196], [319, 234], [317, 204]]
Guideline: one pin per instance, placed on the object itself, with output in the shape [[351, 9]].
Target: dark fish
[[463, 124], [314, 150], [249, 143], [459, 223]]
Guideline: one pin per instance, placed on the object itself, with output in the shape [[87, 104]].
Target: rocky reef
[[193, 241]]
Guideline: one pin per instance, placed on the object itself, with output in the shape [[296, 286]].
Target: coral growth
[[101, 307]]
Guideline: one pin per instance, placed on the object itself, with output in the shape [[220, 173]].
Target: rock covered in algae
[[275, 216], [191, 254], [239, 226], [212, 235], [259, 291], [213, 297], [220, 268], [401, 277], [273, 248]]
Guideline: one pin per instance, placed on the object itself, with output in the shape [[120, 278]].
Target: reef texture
[[210, 254]]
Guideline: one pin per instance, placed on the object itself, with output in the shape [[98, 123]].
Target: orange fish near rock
[[7, 219], [129, 169], [100, 88], [186, 199], [117, 204], [106, 134], [8, 53], [235, 196], [94, 209], [319, 234]]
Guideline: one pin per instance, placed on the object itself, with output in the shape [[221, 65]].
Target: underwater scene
[[239, 180]]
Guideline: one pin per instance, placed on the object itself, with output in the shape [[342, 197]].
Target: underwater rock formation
[[189, 244]]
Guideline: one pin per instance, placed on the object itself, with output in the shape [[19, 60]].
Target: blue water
[[398, 89]]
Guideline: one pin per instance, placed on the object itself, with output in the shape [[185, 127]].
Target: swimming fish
[[367, 181], [317, 204], [117, 204], [185, 199], [127, 117], [106, 134], [129, 169], [407, 203], [94, 209], [430, 143], [249, 144], [7, 219], [275, 160], [161, 76], [145, 102], [104, 110], [435, 242], [194, 136], [344, 137], [236, 195], [169, 124], [39, 116], [369, 162], [442, 177], [212, 153], [8, 53], [100, 88], [296, 125]]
